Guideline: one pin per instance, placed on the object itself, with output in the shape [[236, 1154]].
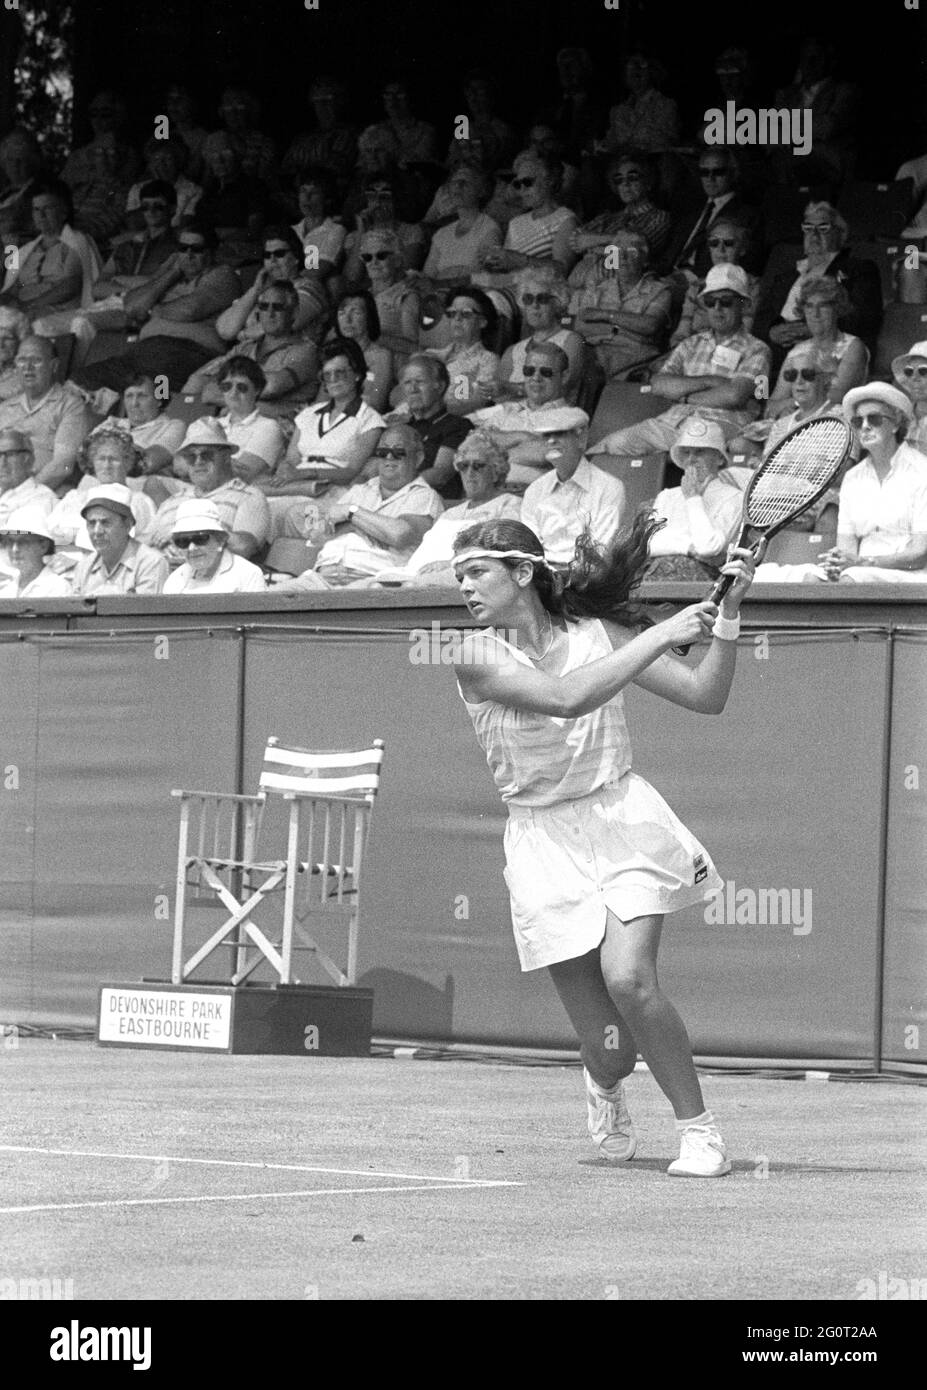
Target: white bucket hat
[[198, 514]]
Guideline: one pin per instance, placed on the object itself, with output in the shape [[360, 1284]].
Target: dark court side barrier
[[813, 953]]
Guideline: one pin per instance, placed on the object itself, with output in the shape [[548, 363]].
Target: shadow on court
[[177, 1176]]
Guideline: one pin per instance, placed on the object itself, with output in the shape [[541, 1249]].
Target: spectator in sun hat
[[910, 373], [713, 373], [27, 543], [118, 564], [210, 567], [207, 452], [702, 515]]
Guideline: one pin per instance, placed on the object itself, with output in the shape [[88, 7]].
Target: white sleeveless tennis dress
[[585, 833]]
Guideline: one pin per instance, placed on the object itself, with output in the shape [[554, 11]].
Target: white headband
[[476, 554]]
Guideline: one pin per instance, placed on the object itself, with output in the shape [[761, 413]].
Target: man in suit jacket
[[687, 251], [834, 108]]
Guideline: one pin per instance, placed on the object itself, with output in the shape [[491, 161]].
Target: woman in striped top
[[544, 229], [594, 856]]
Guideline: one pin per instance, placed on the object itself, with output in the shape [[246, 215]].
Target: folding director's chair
[[330, 797]]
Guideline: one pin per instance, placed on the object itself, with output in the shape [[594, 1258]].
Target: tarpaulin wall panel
[[766, 786], [904, 1015], [117, 722]]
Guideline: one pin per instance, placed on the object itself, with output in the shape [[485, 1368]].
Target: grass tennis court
[[180, 1176]]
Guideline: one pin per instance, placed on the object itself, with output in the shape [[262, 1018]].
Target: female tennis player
[[594, 856]]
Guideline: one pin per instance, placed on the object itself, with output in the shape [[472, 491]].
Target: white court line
[[246, 1196], [251, 1163]]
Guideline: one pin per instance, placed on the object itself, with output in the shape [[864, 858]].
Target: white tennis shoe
[[701, 1154], [609, 1123]]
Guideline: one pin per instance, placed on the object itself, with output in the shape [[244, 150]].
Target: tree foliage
[[42, 77]]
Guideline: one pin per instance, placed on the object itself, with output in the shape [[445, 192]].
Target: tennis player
[[594, 856]]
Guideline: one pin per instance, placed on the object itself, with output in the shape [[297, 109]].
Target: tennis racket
[[795, 473]]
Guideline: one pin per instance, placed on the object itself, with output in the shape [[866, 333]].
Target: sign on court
[[142, 1017]]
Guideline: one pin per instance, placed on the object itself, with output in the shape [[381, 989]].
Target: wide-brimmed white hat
[[696, 433], [207, 430], [198, 514], [879, 391], [29, 521], [916, 353]]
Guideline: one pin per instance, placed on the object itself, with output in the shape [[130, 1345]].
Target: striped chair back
[[352, 775]]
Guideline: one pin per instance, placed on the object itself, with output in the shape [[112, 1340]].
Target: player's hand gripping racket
[[790, 479]]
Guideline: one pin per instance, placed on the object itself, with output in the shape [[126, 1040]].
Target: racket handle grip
[[716, 595]]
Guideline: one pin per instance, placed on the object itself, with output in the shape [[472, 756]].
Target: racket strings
[[795, 474]]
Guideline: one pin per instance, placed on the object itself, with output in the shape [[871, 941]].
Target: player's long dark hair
[[599, 582]]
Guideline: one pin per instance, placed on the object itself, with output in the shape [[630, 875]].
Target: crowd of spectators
[[231, 364]]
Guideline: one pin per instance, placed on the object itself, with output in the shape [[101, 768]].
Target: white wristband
[[727, 629]]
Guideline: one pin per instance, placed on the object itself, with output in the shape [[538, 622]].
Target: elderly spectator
[[688, 252], [210, 567], [27, 543], [398, 301], [423, 384], [910, 373], [21, 167], [357, 318], [380, 523], [118, 564], [177, 309], [179, 104], [378, 213], [778, 316], [472, 368], [457, 250], [107, 456], [808, 397], [703, 514], [621, 309], [482, 467], [282, 262], [321, 237], [242, 507], [544, 230], [841, 358], [332, 442], [165, 161], [259, 440], [333, 143], [545, 139], [14, 326], [646, 119], [289, 362], [18, 486], [727, 245], [100, 173], [575, 495], [515, 425], [543, 298], [156, 435], [715, 374], [882, 516], [629, 178], [52, 414]]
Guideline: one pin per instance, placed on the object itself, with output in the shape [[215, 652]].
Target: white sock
[[706, 1118]]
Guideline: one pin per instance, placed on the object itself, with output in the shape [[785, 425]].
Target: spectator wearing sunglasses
[[543, 297], [807, 387], [713, 374], [399, 302], [287, 359], [381, 193], [472, 368], [483, 468], [727, 245], [688, 254], [646, 119], [282, 260], [629, 180], [778, 316], [517, 426], [379, 523], [243, 508], [910, 373], [545, 227], [841, 358], [210, 566], [260, 440], [165, 161]]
